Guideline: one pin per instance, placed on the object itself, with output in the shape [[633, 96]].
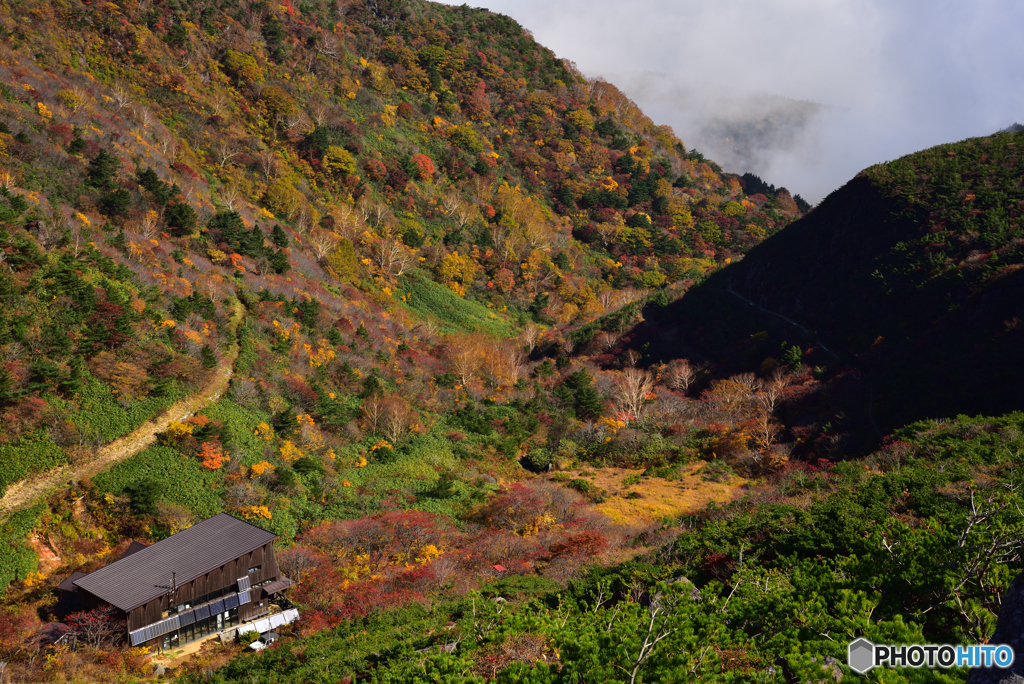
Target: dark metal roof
[[277, 586], [133, 547], [69, 583], [146, 574]]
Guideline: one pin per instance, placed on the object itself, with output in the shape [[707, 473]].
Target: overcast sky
[[896, 75]]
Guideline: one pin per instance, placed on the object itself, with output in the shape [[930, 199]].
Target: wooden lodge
[[207, 578]]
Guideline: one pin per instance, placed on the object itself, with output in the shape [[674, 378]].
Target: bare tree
[[608, 232], [632, 391], [298, 123], [121, 96], [391, 257], [374, 411], [297, 561], [630, 358], [364, 207], [268, 164], [147, 225], [606, 340], [766, 429], [303, 220], [502, 362], [444, 569], [323, 242], [529, 336], [430, 327], [379, 213], [145, 116], [220, 104], [330, 47], [661, 610], [398, 417], [680, 375], [97, 627], [223, 152], [464, 358], [319, 114], [230, 195], [462, 214], [168, 145], [749, 381]]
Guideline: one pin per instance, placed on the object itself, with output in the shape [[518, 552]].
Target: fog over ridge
[[883, 79]]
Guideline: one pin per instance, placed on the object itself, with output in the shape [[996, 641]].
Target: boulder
[[1010, 631]]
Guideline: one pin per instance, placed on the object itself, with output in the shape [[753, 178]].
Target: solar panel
[[243, 598], [217, 606], [154, 630], [187, 618], [231, 601], [202, 612], [243, 584]]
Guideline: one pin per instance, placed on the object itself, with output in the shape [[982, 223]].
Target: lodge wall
[[224, 577], [220, 581]]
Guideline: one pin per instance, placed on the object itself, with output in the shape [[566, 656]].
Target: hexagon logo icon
[[860, 655]]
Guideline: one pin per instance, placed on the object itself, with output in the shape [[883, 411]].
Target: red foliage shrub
[[425, 168], [296, 389], [375, 169], [406, 110], [583, 545], [62, 132], [184, 169]]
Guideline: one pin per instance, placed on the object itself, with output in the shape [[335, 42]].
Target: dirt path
[[31, 489]]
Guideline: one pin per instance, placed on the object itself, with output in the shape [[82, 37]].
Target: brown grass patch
[[659, 498]]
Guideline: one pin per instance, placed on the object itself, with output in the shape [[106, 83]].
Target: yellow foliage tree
[[259, 469], [282, 198], [581, 118], [456, 268], [251, 512], [264, 431], [339, 162], [289, 451], [242, 67]]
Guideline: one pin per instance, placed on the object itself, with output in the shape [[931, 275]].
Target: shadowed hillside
[[910, 272]]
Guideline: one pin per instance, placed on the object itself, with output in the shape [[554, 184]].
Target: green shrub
[[181, 218], [34, 453], [242, 67], [246, 638], [100, 413], [717, 471], [540, 459], [173, 477], [18, 559], [102, 170], [580, 485], [455, 314]]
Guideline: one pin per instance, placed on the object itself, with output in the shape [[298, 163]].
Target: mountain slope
[[166, 158], [910, 272]]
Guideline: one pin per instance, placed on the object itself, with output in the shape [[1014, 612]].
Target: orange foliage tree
[[211, 455]]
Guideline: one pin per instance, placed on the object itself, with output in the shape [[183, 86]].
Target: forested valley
[[528, 390]]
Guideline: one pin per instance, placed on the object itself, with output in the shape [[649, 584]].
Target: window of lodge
[[201, 628], [205, 598]]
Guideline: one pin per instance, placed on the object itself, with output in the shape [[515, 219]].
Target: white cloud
[[897, 76]]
